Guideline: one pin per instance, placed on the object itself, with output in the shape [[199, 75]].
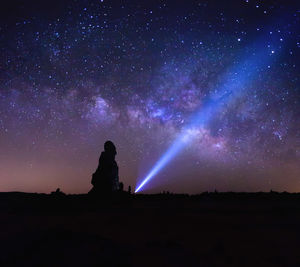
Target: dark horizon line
[[164, 192]]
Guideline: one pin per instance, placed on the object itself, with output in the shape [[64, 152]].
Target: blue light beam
[[173, 150], [234, 83], [177, 145]]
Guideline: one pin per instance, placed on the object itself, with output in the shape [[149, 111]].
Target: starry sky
[[74, 74]]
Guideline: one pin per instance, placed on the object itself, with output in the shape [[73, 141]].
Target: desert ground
[[210, 229]]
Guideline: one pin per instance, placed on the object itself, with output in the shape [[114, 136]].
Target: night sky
[[74, 74]]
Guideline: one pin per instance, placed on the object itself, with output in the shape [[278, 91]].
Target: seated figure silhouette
[[105, 180]]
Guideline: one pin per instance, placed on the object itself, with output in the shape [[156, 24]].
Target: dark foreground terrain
[[211, 229]]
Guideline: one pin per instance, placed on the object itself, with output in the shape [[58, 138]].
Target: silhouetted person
[[121, 187], [105, 180], [129, 190], [58, 193]]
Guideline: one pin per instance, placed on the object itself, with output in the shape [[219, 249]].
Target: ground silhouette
[[210, 229]]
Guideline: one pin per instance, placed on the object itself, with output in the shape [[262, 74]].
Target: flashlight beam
[[235, 82], [180, 141], [174, 149]]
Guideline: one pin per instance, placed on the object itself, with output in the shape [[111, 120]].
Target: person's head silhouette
[[110, 148]]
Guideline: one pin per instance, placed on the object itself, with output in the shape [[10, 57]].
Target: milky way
[[77, 73]]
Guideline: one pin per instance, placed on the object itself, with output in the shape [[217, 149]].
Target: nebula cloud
[[143, 75]]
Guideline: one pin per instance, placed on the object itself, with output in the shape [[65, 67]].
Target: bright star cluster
[[74, 74]]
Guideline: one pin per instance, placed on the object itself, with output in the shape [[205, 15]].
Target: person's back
[[106, 178]]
